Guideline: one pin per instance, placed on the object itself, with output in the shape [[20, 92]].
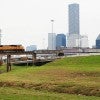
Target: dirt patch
[[61, 73], [78, 89], [60, 88], [85, 74]]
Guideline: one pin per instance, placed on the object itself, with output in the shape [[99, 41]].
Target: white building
[[73, 40], [31, 48], [51, 41], [84, 41]]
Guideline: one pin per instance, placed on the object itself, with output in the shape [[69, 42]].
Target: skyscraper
[[60, 41], [73, 26], [73, 15]]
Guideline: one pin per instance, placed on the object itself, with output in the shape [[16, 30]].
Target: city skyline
[[27, 22]]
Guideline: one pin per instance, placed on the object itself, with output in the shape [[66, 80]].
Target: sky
[[28, 22]]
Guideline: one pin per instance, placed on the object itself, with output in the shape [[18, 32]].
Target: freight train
[[11, 48]]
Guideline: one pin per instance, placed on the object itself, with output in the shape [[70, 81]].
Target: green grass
[[11, 93], [54, 81]]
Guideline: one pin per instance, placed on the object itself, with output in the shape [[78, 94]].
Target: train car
[[11, 48]]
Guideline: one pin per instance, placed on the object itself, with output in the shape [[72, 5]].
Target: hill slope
[[77, 75]]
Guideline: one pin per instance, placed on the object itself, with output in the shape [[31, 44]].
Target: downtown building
[[73, 26], [60, 41], [51, 41], [74, 38], [84, 41], [98, 42], [31, 48]]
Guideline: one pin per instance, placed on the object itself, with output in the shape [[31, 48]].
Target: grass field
[[17, 93], [76, 78]]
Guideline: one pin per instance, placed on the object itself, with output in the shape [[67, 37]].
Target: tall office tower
[[60, 41], [51, 41], [73, 26], [73, 19]]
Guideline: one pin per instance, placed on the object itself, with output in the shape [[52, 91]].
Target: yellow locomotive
[[11, 48]]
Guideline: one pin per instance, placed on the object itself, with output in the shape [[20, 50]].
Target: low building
[[31, 48], [60, 41], [73, 40], [84, 41]]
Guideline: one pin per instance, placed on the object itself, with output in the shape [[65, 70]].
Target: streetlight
[[0, 36], [52, 21], [0, 44]]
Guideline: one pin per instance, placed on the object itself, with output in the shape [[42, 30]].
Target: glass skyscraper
[[74, 37], [73, 15]]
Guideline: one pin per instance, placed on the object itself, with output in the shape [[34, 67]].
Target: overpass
[[9, 53], [33, 53], [48, 51]]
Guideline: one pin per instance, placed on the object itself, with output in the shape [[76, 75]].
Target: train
[[11, 48]]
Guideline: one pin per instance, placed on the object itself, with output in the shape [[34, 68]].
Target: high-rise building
[[51, 41], [60, 41], [73, 20], [73, 26], [98, 42]]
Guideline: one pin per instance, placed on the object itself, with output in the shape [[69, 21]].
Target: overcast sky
[[27, 22]]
